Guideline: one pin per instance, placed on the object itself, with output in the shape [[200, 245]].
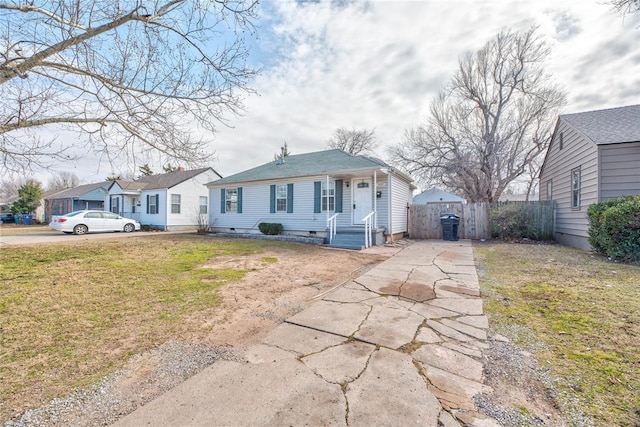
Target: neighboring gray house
[[313, 194], [169, 201], [593, 156], [436, 195], [87, 196]]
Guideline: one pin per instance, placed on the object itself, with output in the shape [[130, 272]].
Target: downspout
[[389, 204], [328, 212], [375, 199]]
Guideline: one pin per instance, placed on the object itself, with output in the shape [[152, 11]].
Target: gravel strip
[[506, 365], [145, 377]]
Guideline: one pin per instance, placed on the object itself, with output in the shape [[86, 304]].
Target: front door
[[362, 199]]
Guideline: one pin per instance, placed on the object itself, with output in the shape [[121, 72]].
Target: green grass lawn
[[71, 313], [585, 311]]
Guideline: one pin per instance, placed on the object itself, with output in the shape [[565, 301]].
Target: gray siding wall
[[619, 170], [571, 224]]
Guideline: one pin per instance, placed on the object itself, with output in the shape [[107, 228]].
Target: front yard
[[72, 313], [579, 314]]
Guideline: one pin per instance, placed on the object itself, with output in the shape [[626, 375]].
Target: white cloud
[[378, 64]]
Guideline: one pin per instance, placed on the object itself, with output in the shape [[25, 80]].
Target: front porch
[[360, 198]]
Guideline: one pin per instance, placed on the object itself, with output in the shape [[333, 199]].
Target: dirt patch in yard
[[282, 280]]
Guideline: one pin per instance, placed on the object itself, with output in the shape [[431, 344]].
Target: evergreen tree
[[284, 152], [145, 170], [29, 197]]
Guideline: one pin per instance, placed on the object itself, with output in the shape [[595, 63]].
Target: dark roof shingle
[[611, 126], [167, 180], [77, 191], [308, 164]]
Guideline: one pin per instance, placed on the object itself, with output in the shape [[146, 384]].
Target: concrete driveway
[[400, 345]]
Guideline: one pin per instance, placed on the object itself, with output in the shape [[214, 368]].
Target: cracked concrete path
[[400, 345]]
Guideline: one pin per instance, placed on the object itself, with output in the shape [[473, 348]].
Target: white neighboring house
[[170, 201], [314, 193]]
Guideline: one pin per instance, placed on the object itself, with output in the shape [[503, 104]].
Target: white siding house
[[171, 201], [593, 156], [304, 192]]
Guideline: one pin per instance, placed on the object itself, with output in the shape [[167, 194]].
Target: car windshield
[[73, 213]]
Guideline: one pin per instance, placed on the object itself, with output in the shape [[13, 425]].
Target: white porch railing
[[368, 223], [332, 226]]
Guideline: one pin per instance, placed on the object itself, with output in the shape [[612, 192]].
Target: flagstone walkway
[[400, 345]]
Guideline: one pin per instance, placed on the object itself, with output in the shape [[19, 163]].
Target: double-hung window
[[204, 205], [153, 204], [281, 198], [328, 196], [575, 188], [175, 203], [231, 200]]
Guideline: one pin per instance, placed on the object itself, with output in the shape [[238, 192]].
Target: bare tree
[[624, 6], [490, 122], [360, 141], [132, 76], [9, 188], [533, 176], [63, 179]]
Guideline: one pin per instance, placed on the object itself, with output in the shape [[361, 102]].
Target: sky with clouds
[[378, 64]]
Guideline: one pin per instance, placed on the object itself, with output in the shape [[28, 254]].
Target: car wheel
[[80, 229], [128, 228]]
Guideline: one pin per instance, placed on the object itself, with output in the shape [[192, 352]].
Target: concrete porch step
[[349, 238]]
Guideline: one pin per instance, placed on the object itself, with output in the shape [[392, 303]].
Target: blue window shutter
[[272, 201], [157, 204], [317, 197], [338, 196], [222, 204], [289, 198], [239, 199], [147, 203]]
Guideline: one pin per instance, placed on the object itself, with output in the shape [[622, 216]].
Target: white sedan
[[81, 222]]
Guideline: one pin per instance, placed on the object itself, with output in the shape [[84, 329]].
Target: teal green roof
[[300, 165]]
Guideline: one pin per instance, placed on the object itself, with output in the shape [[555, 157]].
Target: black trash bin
[[450, 222]]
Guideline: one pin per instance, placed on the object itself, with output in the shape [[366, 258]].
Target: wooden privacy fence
[[477, 220], [424, 220]]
